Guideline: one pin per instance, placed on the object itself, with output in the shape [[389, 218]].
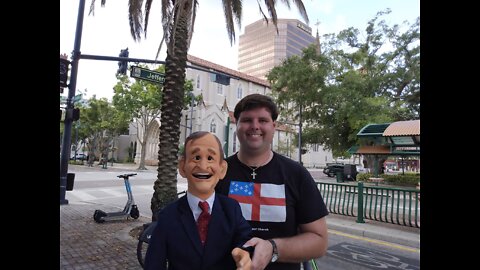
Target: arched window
[[213, 127], [239, 91], [219, 89]]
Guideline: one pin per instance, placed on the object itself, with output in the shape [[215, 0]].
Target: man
[[177, 241], [278, 196]]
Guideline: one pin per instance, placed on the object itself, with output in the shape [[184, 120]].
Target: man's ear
[[181, 166], [223, 169]]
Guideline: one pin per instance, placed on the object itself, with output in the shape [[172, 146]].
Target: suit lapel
[[189, 225]]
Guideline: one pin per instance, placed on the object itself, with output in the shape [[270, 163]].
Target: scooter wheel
[[98, 216], [134, 213]]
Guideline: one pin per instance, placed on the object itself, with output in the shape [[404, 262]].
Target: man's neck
[[255, 159]]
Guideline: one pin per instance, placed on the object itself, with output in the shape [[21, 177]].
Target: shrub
[[406, 180]]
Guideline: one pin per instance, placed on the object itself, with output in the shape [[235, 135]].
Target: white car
[[361, 169], [79, 156]]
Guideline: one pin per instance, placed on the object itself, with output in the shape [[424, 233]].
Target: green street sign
[[146, 74], [77, 98]]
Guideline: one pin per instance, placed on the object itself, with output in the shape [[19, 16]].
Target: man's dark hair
[[255, 101], [199, 134]]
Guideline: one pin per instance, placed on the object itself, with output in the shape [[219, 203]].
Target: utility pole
[[69, 106], [227, 134]]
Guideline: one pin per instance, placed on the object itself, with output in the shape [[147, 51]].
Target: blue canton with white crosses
[[241, 188]]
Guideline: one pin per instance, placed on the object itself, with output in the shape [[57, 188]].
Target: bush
[[406, 180]]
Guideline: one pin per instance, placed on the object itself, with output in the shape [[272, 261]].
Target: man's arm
[[311, 243]]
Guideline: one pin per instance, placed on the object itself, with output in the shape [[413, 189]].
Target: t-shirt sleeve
[[310, 206]]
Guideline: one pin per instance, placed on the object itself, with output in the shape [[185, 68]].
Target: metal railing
[[385, 204]]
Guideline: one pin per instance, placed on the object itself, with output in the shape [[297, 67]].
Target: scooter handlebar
[[126, 175]]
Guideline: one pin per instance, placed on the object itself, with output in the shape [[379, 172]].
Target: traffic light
[[72, 114], [122, 65], [76, 114], [64, 63]]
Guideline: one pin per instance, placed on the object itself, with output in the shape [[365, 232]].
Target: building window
[[219, 89], [198, 81], [239, 91], [213, 127]]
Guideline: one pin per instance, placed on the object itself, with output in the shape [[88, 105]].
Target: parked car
[[349, 171], [332, 169], [79, 156]]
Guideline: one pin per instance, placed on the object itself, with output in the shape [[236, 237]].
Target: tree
[[365, 82], [101, 123], [178, 19], [139, 102]]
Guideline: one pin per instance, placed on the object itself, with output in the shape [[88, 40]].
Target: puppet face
[[203, 166]]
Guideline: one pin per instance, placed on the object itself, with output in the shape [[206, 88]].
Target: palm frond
[[232, 10], [301, 9], [148, 5], [92, 6], [135, 18]]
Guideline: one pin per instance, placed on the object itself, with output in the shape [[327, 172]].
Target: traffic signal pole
[[69, 106], [76, 56]]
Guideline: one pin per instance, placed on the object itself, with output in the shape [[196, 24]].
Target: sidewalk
[[85, 244]]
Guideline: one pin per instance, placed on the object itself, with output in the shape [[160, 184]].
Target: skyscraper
[[260, 48]]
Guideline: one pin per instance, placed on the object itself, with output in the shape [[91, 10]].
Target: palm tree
[[178, 19]]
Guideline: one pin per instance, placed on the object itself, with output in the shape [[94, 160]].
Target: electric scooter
[[130, 208]]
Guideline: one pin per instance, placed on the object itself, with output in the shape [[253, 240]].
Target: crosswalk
[[95, 194]]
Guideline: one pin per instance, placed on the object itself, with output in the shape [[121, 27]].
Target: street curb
[[400, 235]]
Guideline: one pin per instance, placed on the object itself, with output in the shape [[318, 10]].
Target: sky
[[107, 31]]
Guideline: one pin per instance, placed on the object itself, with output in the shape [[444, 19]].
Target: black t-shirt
[[282, 196]]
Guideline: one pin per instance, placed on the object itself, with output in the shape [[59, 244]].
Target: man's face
[[255, 130], [203, 166]]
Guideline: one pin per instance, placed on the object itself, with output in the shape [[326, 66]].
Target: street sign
[[77, 98], [146, 74]]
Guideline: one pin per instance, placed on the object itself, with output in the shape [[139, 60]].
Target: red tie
[[202, 222]]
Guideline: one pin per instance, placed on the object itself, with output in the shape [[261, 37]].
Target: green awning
[[375, 130], [353, 150]]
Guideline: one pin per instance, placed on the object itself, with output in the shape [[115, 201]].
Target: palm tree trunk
[[166, 184]]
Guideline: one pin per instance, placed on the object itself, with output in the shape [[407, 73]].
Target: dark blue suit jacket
[[176, 239]]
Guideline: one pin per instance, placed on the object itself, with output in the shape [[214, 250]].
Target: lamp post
[[77, 124], [227, 134], [300, 136], [192, 103]]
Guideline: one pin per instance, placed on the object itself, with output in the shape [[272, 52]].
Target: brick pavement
[[85, 244]]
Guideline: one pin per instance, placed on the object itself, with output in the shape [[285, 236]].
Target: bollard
[[70, 180]]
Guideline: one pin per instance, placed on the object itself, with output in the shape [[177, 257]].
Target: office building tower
[[261, 48]]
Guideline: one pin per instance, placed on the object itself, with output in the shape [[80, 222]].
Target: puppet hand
[[242, 259]]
